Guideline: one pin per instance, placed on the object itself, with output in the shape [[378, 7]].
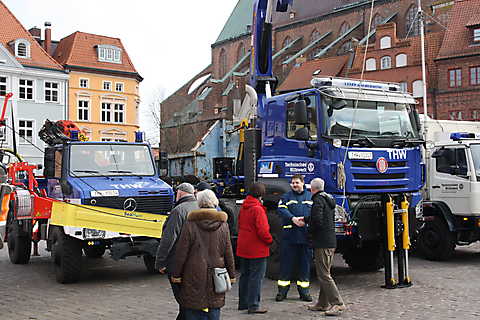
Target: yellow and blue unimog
[[94, 196]]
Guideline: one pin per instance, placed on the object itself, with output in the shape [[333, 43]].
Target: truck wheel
[[149, 262], [435, 240], [67, 256], [367, 258], [94, 252], [19, 244]]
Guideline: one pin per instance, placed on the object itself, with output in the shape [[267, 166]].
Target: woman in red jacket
[[253, 243]]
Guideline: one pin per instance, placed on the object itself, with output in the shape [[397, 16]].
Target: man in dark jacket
[[294, 248], [185, 203], [321, 224]]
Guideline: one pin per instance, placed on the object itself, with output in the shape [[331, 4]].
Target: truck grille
[[366, 177], [369, 164], [157, 204]]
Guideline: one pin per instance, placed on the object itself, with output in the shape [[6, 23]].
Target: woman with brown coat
[[204, 244]]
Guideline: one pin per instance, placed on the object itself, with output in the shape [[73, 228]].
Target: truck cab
[[452, 195], [362, 138]]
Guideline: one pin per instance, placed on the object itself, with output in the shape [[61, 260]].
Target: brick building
[[329, 38]]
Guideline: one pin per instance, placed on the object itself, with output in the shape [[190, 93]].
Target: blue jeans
[[250, 284], [212, 314]]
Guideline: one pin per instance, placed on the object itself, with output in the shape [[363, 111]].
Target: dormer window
[[476, 35], [385, 43], [22, 48], [108, 53]]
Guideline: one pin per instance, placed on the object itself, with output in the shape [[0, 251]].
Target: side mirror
[[300, 112]]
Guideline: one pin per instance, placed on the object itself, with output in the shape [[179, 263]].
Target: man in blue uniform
[[295, 253]]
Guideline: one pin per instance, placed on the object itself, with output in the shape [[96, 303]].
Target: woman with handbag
[[203, 261], [253, 243]]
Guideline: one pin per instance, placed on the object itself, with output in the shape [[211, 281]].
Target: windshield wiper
[[120, 171], [367, 139], [87, 171]]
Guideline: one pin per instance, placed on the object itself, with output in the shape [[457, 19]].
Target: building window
[[417, 86], [119, 86], [404, 86], [456, 115], [3, 86], [377, 20], [118, 113], [386, 62], [385, 43], [3, 133], [345, 48], [223, 62], [475, 76], [25, 131], [240, 51], [109, 54], [344, 28], [51, 91], [107, 85], [401, 60], [475, 114], [286, 41], [412, 22], [371, 64], [476, 35], [26, 89], [455, 77], [22, 48], [83, 110], [84, 83], [106, 112]]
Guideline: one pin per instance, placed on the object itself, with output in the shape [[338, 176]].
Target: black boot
[[304, 294], [282, 293]]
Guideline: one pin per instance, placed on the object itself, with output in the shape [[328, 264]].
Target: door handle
[[435, 187]]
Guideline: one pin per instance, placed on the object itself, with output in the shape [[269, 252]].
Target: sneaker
[[317, 308], [336, 310]]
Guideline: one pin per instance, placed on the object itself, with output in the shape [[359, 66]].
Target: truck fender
[[439, 208]]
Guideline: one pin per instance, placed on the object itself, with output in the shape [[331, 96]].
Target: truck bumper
[[133, 247]]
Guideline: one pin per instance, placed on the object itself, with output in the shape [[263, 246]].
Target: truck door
[[450, 181]]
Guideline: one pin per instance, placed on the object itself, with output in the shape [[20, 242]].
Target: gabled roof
[[80, 50], [238, 21], [11, 30], [458, 37], [300, 77]]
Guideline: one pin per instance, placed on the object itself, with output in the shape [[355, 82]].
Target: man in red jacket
[[253, 243]]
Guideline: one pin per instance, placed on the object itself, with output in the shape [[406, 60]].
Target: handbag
[[221, 280]]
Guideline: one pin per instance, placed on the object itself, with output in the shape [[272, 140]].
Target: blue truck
[[362, 137], [93, 197]]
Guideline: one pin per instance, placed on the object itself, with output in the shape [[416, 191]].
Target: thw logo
[[396, 154]]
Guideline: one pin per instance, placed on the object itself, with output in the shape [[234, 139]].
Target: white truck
[[451, 207]]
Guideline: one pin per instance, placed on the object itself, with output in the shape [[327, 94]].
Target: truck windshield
[[372, 119], [87, 160], [476, 159]]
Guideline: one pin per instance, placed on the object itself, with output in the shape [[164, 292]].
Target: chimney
[[36, 33], [47, 44]]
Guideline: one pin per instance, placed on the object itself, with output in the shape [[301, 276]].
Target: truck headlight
[[419, 209], [93, 233]]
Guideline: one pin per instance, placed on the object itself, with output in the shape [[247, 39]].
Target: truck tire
[[67, 256], [273, 262], [149, 262], [369, 257], [435, 241], [94, 252], [19, 244]]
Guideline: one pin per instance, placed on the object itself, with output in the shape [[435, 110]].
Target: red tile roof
[[300, 77], [458, 38], [11, 30], [79, 49], [474, 21]]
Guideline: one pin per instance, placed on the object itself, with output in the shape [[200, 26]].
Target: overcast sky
[[167, 41]]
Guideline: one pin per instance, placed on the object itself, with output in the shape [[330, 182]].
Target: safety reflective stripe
[[283, 206], [205, 310], [303, 284], [283, 283], [291, 202], [308, 202], [287, 226]]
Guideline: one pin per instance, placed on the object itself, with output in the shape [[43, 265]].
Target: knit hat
[[186, 187], [203, 185]]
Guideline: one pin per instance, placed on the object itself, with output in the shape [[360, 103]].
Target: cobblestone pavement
[[124, 290]]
